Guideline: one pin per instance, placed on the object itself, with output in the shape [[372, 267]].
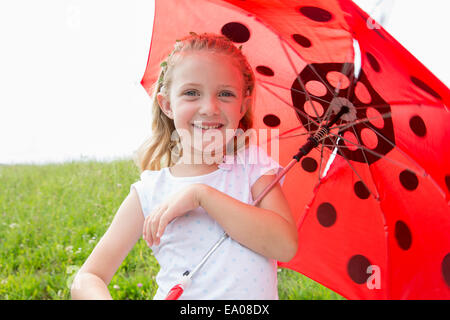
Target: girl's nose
[[209, 107]]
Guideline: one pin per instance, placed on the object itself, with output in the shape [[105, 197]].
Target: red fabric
[[400, 224]]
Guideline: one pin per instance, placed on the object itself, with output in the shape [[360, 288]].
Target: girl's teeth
[[206, 128]]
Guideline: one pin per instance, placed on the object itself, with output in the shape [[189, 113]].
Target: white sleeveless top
[[232, 271]]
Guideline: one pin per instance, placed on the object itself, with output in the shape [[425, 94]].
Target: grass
[[53, 215]]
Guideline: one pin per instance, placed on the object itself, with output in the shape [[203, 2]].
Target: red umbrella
[[372, 198]]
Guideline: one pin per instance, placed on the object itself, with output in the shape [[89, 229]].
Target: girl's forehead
[[207, 66]]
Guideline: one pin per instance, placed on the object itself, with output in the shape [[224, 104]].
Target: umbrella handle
[[178, 289], [175, 292]]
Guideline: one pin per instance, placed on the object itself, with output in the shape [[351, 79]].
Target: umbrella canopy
[[372, 200]]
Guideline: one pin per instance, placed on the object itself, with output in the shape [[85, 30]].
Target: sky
[[70, 72]]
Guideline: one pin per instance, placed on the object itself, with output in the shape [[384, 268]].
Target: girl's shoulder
[[149, 173], [150, 176], [258, 162], [255, 155]]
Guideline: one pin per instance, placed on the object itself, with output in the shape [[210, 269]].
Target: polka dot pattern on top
[[357, 268], [316, 14], [236, 32], [403, 235], [326, 214], [423, 86], [417, 126]]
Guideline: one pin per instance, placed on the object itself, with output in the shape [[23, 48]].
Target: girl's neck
[[189, 170], [196, 164]]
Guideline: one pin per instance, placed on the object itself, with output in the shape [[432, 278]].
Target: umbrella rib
[[291, 106], [353, 81], [297, 134], [293, 129], [340, 127], [291, 89], [353, 169], [406, 155], [300, 81], [386, 228], [343, 71], [345, 126], [312, 68], [320, 164], [320, 78], [377, 154], [405, 103], [332, 145], [370, 170]]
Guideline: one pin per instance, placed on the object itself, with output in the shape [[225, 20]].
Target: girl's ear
[[164, 104], [245, 105]]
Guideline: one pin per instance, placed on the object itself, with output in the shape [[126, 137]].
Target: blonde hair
[[160, 150]]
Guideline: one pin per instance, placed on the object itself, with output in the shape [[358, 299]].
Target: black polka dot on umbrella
[[309, 164], [271, 120], [265, 71], [373, 62], [417, 126], [445, 268], [301, 40], [357, 268], [326, 214], [361, 190], [409, 180], [316, 14], [403, 235], [447, 181], [236, 32], [422, 85]]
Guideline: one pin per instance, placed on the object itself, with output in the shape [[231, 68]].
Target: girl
[[188, 195]]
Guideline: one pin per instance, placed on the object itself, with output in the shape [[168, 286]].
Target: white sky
[[70, 72]]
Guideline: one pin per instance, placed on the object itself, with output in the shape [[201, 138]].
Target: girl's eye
[[193, 92], [231, 94], [190, 91]]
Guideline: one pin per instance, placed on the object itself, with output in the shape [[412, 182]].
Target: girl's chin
[[207, 148]]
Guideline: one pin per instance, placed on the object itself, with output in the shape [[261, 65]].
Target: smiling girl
[[189, 192]]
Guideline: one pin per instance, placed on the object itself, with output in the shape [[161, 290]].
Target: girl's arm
[[125, 230], [267, 228]]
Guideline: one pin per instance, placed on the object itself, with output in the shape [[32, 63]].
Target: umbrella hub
[[336, 105], [321, 134]]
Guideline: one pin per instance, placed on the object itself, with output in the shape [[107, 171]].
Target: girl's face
[[206, 101]]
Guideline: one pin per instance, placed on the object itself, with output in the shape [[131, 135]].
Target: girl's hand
[[175, 206]]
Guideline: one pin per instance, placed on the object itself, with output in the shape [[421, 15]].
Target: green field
[[52, 216]]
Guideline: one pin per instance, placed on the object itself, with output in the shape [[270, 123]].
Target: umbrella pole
[[313, 141]]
